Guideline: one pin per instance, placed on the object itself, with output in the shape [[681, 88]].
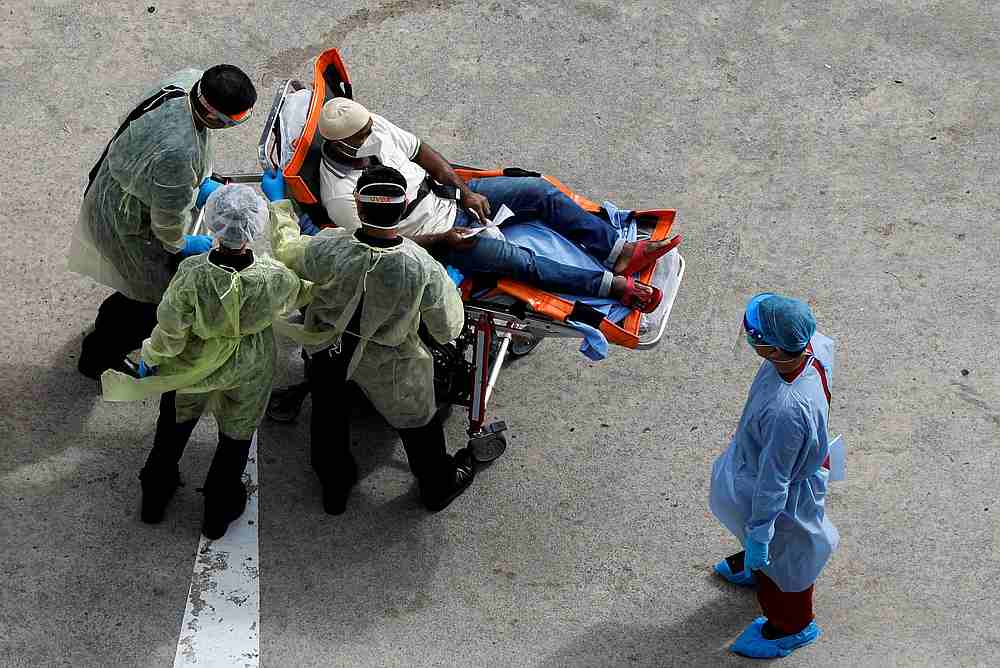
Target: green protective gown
[[214, 342], [133, 217], [402, 287]]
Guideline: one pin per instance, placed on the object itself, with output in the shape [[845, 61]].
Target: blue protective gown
[[769, 484]]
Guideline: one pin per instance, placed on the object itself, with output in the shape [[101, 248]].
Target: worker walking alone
[[769, 486]]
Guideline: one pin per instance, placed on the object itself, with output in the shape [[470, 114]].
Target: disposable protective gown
[[214, 343], [133, 217], [402, 287], [769, 484]]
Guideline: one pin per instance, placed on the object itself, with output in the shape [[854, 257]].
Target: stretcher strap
[[147, 105]]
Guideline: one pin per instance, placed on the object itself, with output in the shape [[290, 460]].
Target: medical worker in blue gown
[[769, 486]]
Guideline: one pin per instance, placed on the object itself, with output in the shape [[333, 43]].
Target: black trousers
[[226, 471], [333, 397], [122, 325]]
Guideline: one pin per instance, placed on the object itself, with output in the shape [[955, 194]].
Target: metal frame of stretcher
[[511, 313]]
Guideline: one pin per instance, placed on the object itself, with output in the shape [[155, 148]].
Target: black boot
[[222, 507], [160, 476], [337, 485], [438, 492], [225, 493], [157, 489]]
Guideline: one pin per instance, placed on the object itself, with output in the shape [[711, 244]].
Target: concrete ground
[[842, 152]]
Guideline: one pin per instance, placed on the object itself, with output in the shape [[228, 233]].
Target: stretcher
[[505, 320]]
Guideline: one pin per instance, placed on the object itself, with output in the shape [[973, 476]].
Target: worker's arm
[[289, 291], [287, 243], [439, 169], [441, 307], [785, 435], [170, 193], [174, 317]]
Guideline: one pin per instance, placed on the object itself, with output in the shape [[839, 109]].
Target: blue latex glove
[[195, 244], [146, 370], [272, 184], [756, 556], [307, 226], [208, 186], [455, 275]]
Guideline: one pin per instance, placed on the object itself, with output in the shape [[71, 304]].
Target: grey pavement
[[843, 152]]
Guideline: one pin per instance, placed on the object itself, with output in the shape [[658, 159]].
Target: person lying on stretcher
[[442, 208]]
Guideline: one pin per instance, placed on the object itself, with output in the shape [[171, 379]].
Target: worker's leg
[[225, 493], [121, 326], [502, 259], [536, 198], [787, 612], [787, 623], [330, 430], [238, 411], [160, 476], [441, 477]]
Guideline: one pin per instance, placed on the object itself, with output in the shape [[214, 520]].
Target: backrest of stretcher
[[330, 80]]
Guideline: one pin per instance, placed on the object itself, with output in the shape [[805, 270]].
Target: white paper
[[499, 219], [838, 459]]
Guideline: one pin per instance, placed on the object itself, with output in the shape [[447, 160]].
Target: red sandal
[[633, 298], [642, 258]]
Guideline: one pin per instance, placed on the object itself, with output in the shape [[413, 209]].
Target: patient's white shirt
[[398, 149]]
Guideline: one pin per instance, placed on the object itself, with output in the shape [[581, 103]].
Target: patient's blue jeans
[[537, 199]]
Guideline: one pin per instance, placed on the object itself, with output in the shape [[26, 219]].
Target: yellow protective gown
[[214, 342], [402, 287], [133, 217]]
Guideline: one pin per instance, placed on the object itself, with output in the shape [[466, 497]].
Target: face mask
[[369, 147]]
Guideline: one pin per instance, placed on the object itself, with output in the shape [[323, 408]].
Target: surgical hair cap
[[782, 322], [342, 117], [236, 214]]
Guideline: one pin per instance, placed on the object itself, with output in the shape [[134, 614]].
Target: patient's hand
[[478, 205], [459, 238]]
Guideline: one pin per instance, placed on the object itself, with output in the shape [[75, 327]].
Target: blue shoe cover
[[753, 644], [743, 578]]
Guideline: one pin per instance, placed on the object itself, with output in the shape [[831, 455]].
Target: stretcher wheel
[[522, 344], [487, 448]]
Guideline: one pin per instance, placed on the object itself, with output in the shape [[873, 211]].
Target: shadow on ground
[[700, 639]]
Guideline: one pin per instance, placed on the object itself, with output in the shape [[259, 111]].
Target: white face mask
[[370, 147]]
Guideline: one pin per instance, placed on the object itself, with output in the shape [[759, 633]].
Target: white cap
[[341, 118]]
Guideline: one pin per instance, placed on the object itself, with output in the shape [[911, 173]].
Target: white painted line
[[221, 624]]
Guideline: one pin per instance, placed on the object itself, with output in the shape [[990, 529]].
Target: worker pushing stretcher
[[565, 266]]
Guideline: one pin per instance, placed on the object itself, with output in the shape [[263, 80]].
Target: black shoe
[[465, 473], [335, 499], [336, 491], [157, 490], [286, 404], [221, 509]]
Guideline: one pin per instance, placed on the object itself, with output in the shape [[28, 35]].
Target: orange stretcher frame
[[331, 79]]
